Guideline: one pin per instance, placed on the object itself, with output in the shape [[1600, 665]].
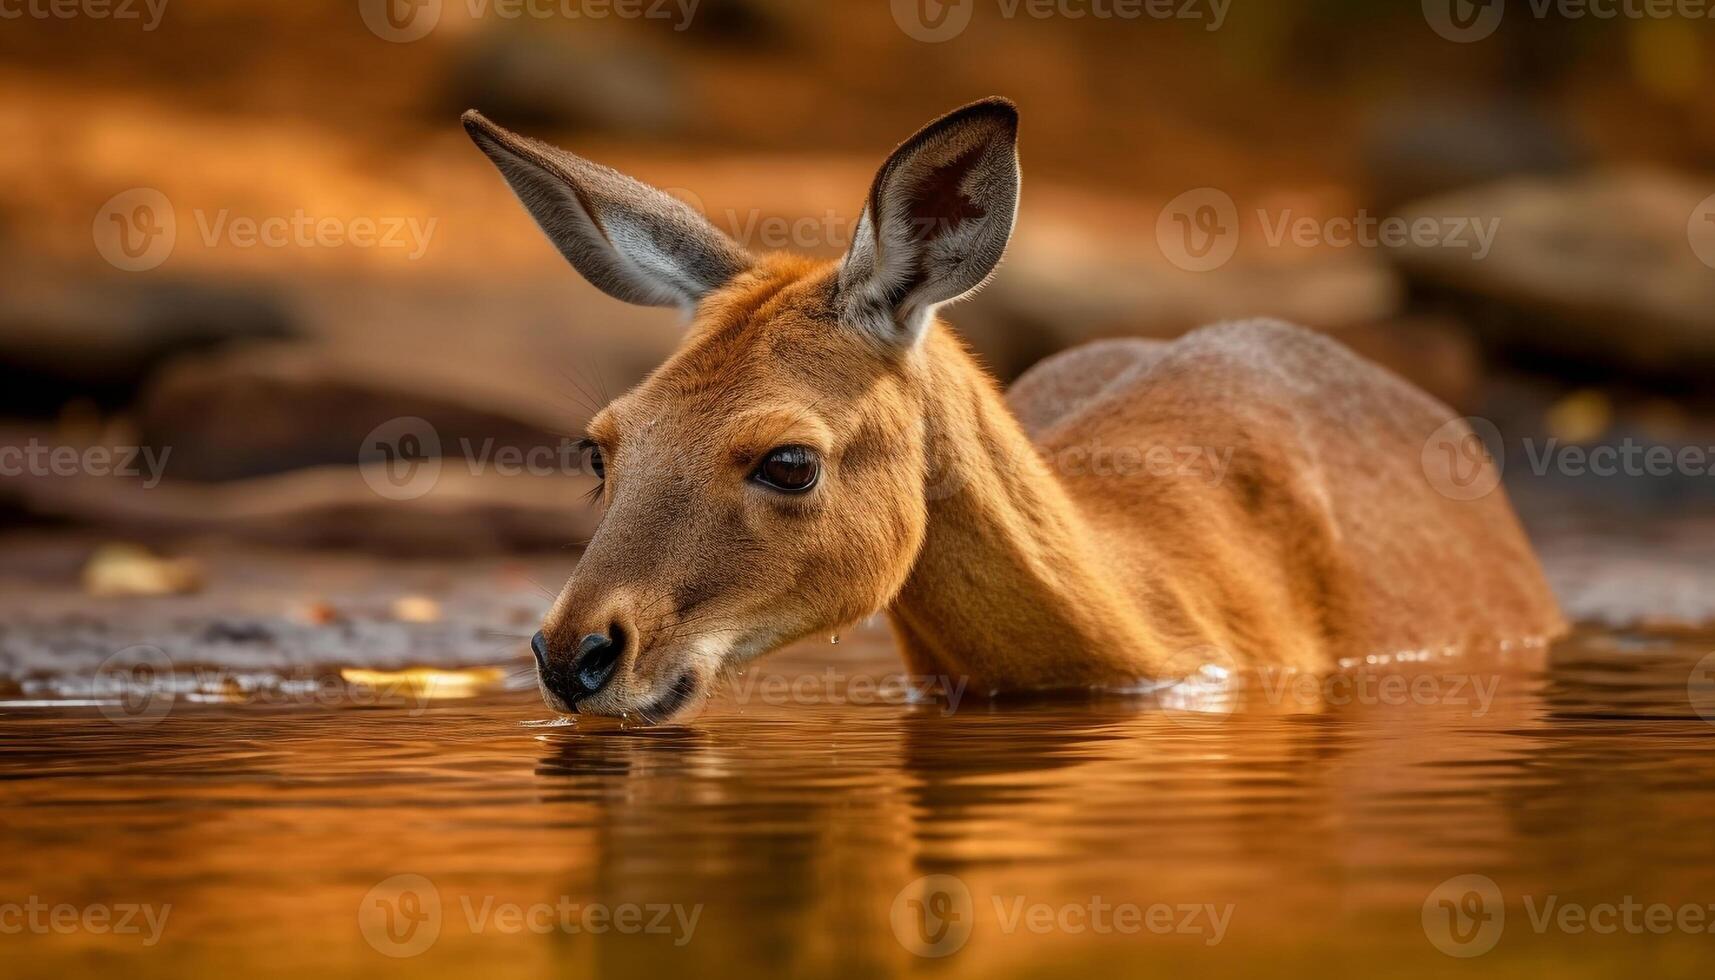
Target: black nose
[[539, 647], [597, 655], [588, 669]]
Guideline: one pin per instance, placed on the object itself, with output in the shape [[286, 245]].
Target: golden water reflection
[[819, 837]]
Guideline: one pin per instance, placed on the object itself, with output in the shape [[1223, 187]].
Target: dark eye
[[793, 469], [597, 466]]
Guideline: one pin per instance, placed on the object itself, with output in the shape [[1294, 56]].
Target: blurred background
[[244, 244], [286, 379]]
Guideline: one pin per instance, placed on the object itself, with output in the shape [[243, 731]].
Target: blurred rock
[[1597, 270], [329, 507], [1437, 354], [1413, 151], [65, 338], [273, 409], [570, 80]]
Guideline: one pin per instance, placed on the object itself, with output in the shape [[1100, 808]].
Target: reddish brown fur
[[997, 559]]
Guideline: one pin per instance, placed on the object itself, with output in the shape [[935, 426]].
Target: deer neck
[[1008, 589]]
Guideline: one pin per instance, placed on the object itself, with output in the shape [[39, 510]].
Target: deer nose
[[539, 647], [598, 654], [584, 670]]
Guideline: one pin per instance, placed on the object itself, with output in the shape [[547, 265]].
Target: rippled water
[[816, 824]]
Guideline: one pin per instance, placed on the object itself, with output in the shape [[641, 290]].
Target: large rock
[[1603, 269], [66, 337]]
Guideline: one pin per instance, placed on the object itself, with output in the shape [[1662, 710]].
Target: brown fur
[[1251, 492], [1003, 561]]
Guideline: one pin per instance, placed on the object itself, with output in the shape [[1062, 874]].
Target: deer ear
[[628, 239], [937, 221]]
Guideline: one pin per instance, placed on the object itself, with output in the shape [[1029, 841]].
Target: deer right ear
[[628, 239], [938, 219]]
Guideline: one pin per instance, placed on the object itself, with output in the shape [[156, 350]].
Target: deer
[[822, 447]]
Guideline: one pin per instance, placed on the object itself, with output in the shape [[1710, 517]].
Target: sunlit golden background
[[264, 365], [363, 707]]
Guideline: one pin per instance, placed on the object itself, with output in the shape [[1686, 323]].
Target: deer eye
[[791, 469], [597, 465]]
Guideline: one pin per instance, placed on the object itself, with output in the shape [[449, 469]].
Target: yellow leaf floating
[[427, 682]]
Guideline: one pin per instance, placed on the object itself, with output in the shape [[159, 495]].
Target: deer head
[[767, 482]]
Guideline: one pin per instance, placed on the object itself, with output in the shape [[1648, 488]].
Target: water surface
[[813, 822]]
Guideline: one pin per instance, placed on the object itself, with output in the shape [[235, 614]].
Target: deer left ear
[[630, 240], [937, 221]]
